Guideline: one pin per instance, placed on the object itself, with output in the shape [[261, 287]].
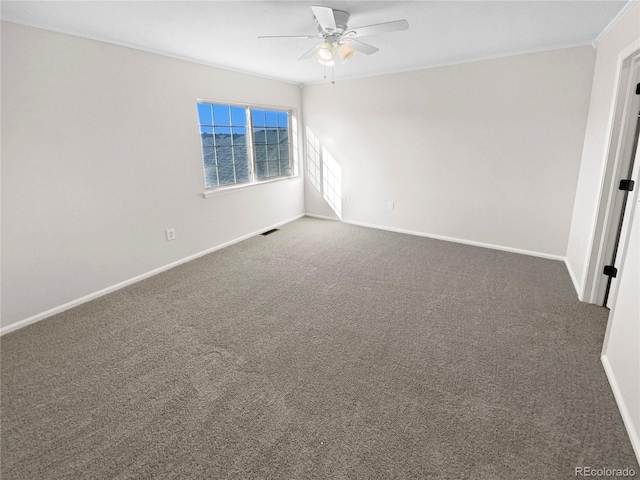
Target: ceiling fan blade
[[325, 18], [310, 53], [288, 36], [395, 26], [363, 47]]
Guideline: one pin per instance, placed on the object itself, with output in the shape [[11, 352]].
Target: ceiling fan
[[338, 37]]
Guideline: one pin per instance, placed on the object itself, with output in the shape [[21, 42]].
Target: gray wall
[[485, 152], [101, 154]]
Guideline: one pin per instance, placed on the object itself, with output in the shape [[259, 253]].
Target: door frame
[[606, 224]]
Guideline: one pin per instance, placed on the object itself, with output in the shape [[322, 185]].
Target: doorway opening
[[601, 283], [625, 186]]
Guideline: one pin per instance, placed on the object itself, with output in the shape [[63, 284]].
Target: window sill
[[216, 192]]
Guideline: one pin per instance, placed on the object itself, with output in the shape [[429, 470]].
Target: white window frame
[[251, 151]]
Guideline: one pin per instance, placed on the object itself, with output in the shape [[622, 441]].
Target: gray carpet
[[325, 351]]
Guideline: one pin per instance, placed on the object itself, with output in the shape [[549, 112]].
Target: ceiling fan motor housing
[[341, 18]]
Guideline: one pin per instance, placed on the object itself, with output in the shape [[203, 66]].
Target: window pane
[[274, 168], [257, 118], [276, 137], [259, 135], [224, 156], [271, 118], [261, 169], [283, 119], [238, 117], [223, 135], [206, 136], [261, 153], [221, 115], [272, 136], [242, 172], [284, 153], [283, 135], [205, 114], [226, 175], [210, 176], [285, 168], [241, 155], [272, 152], [239, 136], [209, 155]]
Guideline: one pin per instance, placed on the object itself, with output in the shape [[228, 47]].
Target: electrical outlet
[[171, 234], [344, 200], [389, 205]]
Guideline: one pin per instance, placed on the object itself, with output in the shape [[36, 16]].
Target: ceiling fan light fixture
[[325, 52], [346, 52], [330, 63]]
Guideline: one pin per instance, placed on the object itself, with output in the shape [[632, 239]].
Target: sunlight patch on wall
[[324, 172], [313, 160], [332, 182]]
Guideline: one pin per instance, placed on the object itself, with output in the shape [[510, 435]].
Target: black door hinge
[[610, 271], [626, 185], [638, 89]]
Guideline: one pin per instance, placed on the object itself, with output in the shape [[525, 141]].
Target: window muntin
[[242, 144]]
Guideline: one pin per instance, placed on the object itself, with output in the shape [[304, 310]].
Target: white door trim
[[594, 283]]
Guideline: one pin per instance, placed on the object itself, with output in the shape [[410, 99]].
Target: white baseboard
[[322, 217], [459, 240], [74, 303], [632, 431]]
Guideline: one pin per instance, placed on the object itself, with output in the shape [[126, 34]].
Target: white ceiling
[[224, 33]]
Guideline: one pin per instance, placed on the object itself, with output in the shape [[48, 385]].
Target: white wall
[[597, 138], [621, 352], [484, 152], [100, 155]]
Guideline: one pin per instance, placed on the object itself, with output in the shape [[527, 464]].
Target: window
[[241, 144]]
